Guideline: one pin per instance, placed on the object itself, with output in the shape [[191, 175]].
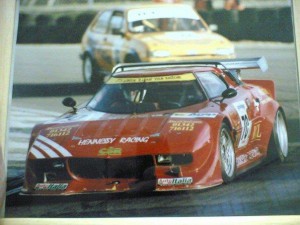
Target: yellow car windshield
[[165, 25]]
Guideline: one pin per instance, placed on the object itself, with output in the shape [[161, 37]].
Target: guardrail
[[249, 24]]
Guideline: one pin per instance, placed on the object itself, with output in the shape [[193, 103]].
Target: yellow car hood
[[185, 43]]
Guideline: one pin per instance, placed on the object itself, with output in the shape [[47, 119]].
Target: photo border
[[8, 25]]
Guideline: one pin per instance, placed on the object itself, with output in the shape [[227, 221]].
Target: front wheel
[[279, 137], [87, 69], [90, 71], [227, 154]]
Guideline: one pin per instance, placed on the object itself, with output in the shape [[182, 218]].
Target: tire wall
[[249, 24]]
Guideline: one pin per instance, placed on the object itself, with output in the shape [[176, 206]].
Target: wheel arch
[[227, 121], [86, 53], [131, 54]]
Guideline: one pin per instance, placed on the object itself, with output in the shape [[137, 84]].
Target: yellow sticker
[[256, 134], [183, 125], [59, 131], [110, 151], [124, 80]]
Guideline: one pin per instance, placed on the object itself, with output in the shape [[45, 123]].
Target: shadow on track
[[47, 90]]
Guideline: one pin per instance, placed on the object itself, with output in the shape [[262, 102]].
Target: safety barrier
[[249, 24]]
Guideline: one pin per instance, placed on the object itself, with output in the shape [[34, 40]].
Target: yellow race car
[[152, 33]]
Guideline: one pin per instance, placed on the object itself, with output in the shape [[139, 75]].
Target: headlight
[[178, 159], [224, 51], [160, 54]]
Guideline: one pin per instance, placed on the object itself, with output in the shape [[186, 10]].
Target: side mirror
[[229, 93], [70, 102]]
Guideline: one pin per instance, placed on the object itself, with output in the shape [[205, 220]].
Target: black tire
[[278, 146], [90, 71], [227, 154], [13, 189]]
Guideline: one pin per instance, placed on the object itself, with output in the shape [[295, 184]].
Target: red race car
[[160, 127]]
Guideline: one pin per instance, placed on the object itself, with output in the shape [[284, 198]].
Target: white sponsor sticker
[[134, 139], [161, 12], [96, 141], [246, 124], [208, 115], [242, 159], [44, 147], [194, 115], [174, 181], [51, 186]]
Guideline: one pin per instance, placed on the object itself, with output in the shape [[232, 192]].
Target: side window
[[101, 24], [212, 84], [116, 22]]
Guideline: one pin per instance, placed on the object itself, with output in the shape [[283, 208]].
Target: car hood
[[109, 135], [187, 42]]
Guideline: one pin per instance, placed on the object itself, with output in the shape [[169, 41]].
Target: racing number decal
[[246, 124]]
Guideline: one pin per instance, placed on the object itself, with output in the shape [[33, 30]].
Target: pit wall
[[250, 24]]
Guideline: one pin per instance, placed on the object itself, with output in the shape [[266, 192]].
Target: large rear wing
[[227, 64]]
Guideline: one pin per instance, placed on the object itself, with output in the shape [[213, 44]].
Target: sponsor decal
[[155, 135], [96, 141], [134, 140], [58, 131], [146, 115], [207, 115], [242, 159], [246, 124], [162, 12], [43, 147], [174, 181], [194, 115], [256, 133], [51, 186], [110, 151], [182, 77], [183, 125]]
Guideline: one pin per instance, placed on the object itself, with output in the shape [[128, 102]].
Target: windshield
[[162, 19], [141, 97], [165, 25]]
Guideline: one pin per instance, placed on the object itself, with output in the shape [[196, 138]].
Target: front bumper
[[97, 175]]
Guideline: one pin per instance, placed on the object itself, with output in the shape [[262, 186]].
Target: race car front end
[[181, 155]]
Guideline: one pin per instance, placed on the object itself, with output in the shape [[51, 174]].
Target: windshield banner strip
[[162, 12], [182, 77]]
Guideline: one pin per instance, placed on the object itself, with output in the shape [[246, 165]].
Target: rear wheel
[[279, 137], [227, 154]]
